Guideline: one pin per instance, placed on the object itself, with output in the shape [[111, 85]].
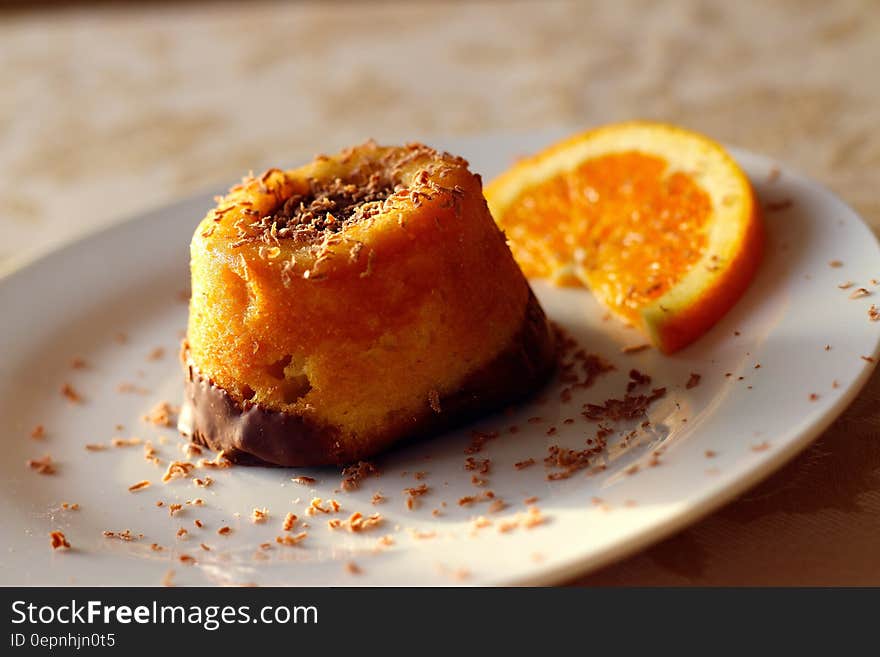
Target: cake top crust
[[325, 219], [311, 203]]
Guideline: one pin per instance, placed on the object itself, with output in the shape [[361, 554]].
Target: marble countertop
[[109, 110]]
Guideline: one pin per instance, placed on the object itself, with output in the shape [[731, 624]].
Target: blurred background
[[108, 108]]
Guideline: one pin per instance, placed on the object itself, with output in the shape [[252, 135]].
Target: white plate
[[128, 279]]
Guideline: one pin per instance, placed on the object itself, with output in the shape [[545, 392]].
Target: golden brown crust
[[329, 336], [250, 433]]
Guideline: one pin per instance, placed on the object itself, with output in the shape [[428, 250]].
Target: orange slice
[[658, 222]]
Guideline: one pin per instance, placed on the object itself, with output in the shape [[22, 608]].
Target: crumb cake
[[352, 303]]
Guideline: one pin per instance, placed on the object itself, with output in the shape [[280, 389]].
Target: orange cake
[[351, 303]]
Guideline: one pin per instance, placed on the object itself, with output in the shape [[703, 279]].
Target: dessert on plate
[[352, 303]]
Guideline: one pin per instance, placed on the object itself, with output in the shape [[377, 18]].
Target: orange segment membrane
[[628, 226]]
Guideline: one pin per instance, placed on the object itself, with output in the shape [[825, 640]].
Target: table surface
[[108, 110]]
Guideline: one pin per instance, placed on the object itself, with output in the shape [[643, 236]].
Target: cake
[[352, 303]]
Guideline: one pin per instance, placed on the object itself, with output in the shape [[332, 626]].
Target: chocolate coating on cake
[[250, 433]]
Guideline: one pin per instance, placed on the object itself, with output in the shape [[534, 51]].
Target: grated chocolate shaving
[[329, 206], [125, 535], [291, 539], [289, 522], [354, 474], [43, 466], [357, 522], [162, 415], [70, 393], [478, 440], [177, 470], [58, 541], [483, 466], [630, 407]]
